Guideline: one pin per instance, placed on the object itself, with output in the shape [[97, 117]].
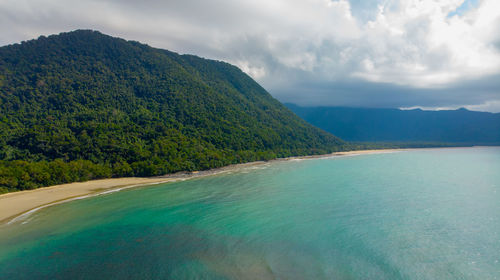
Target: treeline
[[26, 175]]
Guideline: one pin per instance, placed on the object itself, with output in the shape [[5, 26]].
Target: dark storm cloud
[[462, 94]]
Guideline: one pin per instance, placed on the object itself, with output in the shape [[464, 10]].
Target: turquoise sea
[[420, 214]]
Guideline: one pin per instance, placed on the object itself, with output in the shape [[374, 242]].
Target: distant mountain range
[[393, 125], [83, 105]]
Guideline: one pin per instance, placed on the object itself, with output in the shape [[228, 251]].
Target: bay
[[419, 214]]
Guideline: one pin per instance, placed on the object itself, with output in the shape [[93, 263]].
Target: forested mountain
[[83, 105], [393, 125]]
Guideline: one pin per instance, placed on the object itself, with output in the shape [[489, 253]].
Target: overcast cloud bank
[[390, 53]]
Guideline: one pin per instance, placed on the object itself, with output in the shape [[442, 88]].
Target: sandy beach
[[15, 204]]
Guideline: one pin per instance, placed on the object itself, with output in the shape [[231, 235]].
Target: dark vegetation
[[83, 105], [403, 128]]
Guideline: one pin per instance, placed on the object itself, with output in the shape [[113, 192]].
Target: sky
[[431, 54]]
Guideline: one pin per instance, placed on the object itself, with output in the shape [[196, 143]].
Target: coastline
[[16, 205]]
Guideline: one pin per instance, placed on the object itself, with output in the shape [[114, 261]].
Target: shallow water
[[421, 214]]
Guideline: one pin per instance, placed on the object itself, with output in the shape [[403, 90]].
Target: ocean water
[[421, 214]]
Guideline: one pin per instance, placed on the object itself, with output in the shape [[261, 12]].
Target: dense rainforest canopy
[[84, 105]]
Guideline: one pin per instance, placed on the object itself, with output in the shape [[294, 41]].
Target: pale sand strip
[[12, 204], [17, 203]]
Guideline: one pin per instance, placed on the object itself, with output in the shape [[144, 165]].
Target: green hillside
[[84, 105]]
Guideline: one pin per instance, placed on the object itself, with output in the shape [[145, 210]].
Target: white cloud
[[417, 44], [289, 44], [489, 106], [256, 72]]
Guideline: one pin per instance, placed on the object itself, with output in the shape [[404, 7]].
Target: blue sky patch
[[466, 6]]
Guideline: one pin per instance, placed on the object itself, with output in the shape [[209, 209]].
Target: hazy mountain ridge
[[394, 125]]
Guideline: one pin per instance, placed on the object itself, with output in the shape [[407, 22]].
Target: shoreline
[[17, 205]]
